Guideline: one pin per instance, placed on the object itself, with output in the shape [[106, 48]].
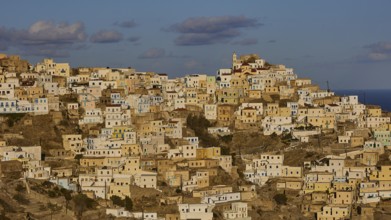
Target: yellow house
[[321, 187], [144, 129], [310, 112], [176, 178], [156, 126], [62, 171], [272, 109], [132, 165], [113, 162], [284, 112], [191, 96], [202, 179], [356, 141], [119, 131], [57, 69], [326, 100], [309, 209], [92, 161], [316, 187], [300, 82], [369, 158], [214, 190], [326, 121], [164, 165], [319, 197], [225, 114], [203, 163], [288, 171], [238, 82], [72, 141], [62, 69], [340, 186], [249, 115], [290, 184], [212, 171], [373, 111], [175, 216], [255, 94], [120, 186], [207, 153], [385, 184], [34, 92], [383, 174], [272, 90], [3, 143], [130, 149], [203, 98], [341, 197], [285, 92], [229, 95], [331, 212]]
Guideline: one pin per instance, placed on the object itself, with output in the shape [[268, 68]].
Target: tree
[[53, 208], [199, 124], [128, 203], [280, 199], [81, 203], [267, 64], [52, 194], [78, 157], [13, 118], [274, 135], [226, 138], [67, 196], [47, 184], [117, 200]]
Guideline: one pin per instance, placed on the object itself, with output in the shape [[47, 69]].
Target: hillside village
[[253, 141]]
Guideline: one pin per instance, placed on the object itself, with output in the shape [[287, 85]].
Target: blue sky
[[347, 43]]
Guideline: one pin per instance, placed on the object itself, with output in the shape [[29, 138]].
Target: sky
[[347, 43]]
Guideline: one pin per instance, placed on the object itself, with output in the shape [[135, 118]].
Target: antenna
[[328, 88]]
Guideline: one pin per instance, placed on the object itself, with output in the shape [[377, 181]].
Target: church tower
[[234, 60]]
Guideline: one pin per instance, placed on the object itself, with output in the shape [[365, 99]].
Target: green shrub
[[128, 203], [20, 188], [280, 199], [21, 199], [116, 200]]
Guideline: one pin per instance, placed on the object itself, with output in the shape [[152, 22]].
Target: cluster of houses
[[137, 137], [332, 187]]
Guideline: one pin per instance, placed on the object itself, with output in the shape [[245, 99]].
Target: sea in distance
[[380, 97]]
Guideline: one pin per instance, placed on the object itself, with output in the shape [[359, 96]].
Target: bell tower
[[234, 60]]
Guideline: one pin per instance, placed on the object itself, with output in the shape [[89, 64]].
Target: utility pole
[[181, 183], [125, 202], [319, 140], [365, 98], [142, 213], [346, 153], [105, 194]]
